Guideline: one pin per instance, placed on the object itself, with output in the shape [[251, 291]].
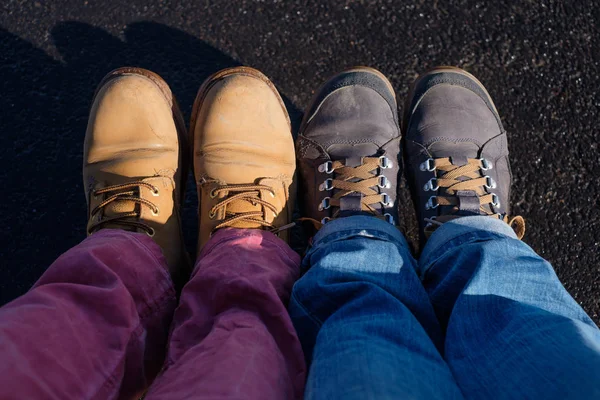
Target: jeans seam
[[135, 334], [161, 262], [157, 305], [310, 314], [343, 234], [452, 243], [170, 289]]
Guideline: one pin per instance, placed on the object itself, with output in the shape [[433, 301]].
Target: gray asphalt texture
[[539, 60]]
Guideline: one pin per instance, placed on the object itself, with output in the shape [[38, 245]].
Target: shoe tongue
[[352, 151], [352, 156], [118, 207], [459, 153], [242, 206]]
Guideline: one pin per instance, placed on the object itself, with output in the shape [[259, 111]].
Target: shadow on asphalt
[[45, 104]]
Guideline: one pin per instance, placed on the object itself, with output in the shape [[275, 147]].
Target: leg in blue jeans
[[513, 331], [490, 319], [364, 318]]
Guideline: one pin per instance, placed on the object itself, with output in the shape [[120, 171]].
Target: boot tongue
[[118, 207], [242, 206], [352, 156], [459, 154]]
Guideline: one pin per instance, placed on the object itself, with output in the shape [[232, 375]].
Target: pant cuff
[[358, 225], [460, 231], [254, 237]]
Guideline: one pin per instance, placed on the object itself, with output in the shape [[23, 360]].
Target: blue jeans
[[480, 316]]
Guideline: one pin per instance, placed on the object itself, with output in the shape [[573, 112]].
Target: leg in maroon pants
[[232, 337], [93, 327]]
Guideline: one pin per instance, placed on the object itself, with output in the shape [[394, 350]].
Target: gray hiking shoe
[[348, 148], [456, 151]]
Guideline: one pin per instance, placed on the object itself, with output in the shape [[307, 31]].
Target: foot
[[456, 151], [348, 148], [133, 167], [243, 154]]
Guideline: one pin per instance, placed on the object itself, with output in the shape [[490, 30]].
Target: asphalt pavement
[[539, 60]]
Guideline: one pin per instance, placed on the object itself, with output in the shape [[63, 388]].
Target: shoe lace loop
[[246, 198], [126, 193], [362, 180], [469, 177]]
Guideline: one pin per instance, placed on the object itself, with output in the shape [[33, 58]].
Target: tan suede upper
[[242, 135], [131, 137]]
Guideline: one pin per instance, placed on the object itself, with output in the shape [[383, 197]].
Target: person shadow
[[43, 113]]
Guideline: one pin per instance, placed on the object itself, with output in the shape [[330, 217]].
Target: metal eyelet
[[429, 224], [489, 182], [213, 193], [212, 214], [386, 200], [327, 185], [151, 233], [383, 183], [325, 220], [385, 162], [155, 213], [431, 185], [430, 205], [485, 164], [154, 191], [495, 200], [272, 194], [389, 219], [428, 165], [325, 204], [326, 167]]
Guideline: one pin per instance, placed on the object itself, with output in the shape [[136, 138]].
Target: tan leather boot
[[243, 154], [133, 164]]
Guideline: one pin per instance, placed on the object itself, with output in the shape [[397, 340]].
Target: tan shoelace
[[246, 199], [350, 180], [359, 179], [470, 179], [120, 193]]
